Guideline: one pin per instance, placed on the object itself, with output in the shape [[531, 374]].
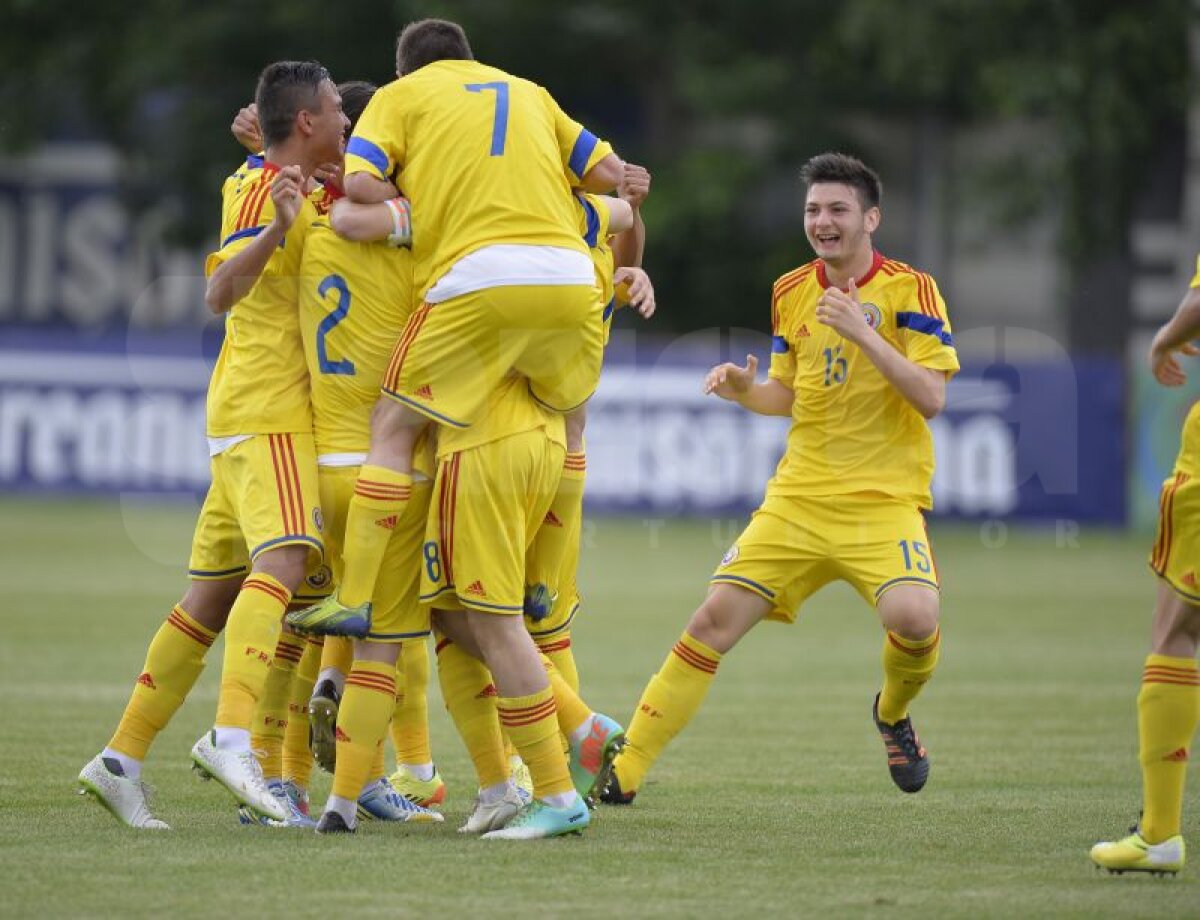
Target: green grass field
[[775, 801]]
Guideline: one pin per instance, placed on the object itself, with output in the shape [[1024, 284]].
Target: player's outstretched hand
[[634, 185], [246, 129], [287, 194], [1166, 368], [730, 381], [634, 287]]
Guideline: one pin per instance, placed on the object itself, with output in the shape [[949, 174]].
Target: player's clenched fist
[[730, 381], [287, 194], [634, 185]]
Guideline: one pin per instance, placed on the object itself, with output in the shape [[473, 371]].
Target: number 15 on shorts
[[916, 556]]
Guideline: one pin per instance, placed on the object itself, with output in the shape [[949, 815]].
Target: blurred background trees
[[1086, 101]]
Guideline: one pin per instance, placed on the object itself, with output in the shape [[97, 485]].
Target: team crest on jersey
[[318, 520], [320, 578], [873, 314], [730, 556]]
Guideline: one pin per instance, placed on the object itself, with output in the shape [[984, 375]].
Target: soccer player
[[260, 521], [1169, 701], [860, 357], [497, 254]]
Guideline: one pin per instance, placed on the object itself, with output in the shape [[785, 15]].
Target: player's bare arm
[[1175, 338], [629, 246], [737, 384], [233, 279], [364, 223], [605, 176], [923, 387], [368, 189]]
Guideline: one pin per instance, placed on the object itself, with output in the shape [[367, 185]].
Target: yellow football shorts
[[396, 612], [794, 546], [488, 503], [263, 495], [1176, 554], [452, 355]]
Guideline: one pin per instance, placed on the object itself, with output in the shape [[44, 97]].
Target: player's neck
[[290, 153], [856, 266]]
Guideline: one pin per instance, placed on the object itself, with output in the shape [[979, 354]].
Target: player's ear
[[871, 219], [304, 122]]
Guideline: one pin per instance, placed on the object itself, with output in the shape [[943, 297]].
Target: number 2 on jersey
[[333, 283], [500, 122]]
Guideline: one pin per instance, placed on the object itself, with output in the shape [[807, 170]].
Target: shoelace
[[907, 739], [258, 783]]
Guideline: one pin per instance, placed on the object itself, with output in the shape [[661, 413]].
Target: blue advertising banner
[[1022, 440]]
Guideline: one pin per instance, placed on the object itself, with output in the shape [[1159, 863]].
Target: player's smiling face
[[835, 223], [329, 123]]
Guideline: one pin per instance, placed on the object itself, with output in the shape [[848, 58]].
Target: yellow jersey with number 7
[[485, 158]]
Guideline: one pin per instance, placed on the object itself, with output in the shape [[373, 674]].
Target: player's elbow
[[932, 403], [217, 295], [605, 175]]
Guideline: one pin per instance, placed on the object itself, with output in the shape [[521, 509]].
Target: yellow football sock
[[555, 549], [907, 666], [271, 715], [558, 650], [379, 499], [410, 720], [667, 705], [338, 654], [297, 756], [532, 724], [173, 662], [1168, 711], [470, 698], [362, 723], [250, 637], [572, 711]]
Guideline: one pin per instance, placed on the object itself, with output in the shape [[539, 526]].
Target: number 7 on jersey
[[500, 122]]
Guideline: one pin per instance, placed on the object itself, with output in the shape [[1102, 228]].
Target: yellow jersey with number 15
[[485, 158], [851, 430], [260, 382]]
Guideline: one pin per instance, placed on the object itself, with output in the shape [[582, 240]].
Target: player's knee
[[715, 623], [913, 621], [209, 602], [286, 564]]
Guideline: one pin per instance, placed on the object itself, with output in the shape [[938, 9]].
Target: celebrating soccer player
[[1169, 701], [861, 353]]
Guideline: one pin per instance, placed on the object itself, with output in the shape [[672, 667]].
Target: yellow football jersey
[[354, 300], [593, 220], [260, 382], [510, 410], [482, 155], [851, 430]]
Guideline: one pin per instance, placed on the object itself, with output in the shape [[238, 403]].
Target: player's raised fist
[[287, 194], [246, 129], [730, 381], [634, 185]]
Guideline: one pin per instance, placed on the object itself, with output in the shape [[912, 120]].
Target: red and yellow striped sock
[[410, 719], [297, 757], [908, 664], [558, 650], [380, 496], [470, 698], [250, 637], [667, 705], [174, 661], [271, 714], [1168, 712], [362, 723], [532, 724]]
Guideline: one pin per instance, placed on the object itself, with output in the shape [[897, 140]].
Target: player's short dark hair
[[355, 96], [428, 40], [284, 89], [848, 170]]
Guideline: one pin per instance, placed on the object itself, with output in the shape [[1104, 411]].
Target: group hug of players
[[418, 282]]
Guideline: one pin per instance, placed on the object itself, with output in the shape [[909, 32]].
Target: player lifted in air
[[260, 522], [860, 357], [1169, 701]]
